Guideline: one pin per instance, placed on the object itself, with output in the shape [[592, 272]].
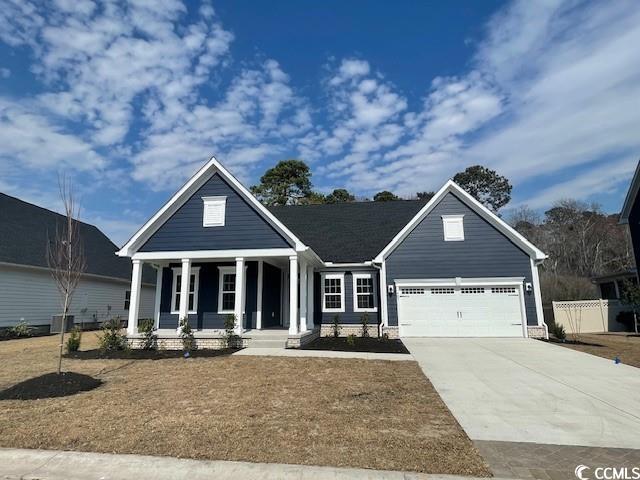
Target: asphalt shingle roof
[[348, 232], [25, 230]]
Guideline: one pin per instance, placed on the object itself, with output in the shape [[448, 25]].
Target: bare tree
[[65, 255]]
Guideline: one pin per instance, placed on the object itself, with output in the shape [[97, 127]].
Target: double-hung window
[[192, 304], [364, 293], [226, 289], [333, 292]]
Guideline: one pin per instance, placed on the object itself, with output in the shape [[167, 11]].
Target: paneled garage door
[[460, 311]]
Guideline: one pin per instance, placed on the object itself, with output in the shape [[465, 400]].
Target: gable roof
[[348, 232], [480, 209], [26, 230], [186, 191], [632, 193]]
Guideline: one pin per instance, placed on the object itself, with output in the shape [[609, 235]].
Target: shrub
[[335, 326], [186, 335], [230, 338], [364, 321], [146, 326], [21, 329], [557, 330], [112, 339], [351, 339], [73, 341]]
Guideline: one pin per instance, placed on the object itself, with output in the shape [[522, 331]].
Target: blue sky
[[129, 99]]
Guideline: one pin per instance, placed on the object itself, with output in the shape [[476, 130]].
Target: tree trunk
[[62, 327]]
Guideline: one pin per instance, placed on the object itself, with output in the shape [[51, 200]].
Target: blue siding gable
[[244, 227], [485, 252]]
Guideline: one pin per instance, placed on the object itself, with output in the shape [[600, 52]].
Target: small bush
[[73, 341], [146, 326], [557, 330], [364, 321], [335, 326], [351, 339], [112, 339], [230, 338], [21, 329], [385, 336], [186, 335]]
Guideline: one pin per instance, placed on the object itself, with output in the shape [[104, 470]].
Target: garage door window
[[333, 293], [503, 290], [364, 293], [471, 290], [442, 291]]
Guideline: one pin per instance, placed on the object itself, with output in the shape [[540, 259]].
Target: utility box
[[56, 322]]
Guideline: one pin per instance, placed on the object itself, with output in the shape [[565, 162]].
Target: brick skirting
[[537, 331]]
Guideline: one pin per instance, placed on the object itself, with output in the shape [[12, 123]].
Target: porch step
[[280, 342]]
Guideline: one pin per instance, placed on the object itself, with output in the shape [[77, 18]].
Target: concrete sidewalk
[[57, 465], [289, 352]]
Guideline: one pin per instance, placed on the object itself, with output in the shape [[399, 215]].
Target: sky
[[129, 99]]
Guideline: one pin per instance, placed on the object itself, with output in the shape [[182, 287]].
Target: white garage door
[[460, 311]]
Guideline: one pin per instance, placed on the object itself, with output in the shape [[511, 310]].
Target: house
[[27, 290], [630, 214], [449, 267], [611, 286]]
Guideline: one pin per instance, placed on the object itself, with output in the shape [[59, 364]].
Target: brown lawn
[[609, 345], [339, 412]]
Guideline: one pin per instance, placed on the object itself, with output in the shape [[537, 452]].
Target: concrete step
[[270, 343]]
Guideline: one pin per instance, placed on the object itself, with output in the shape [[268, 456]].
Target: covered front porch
[[260, 291]]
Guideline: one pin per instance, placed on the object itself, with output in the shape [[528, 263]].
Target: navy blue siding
[[348, 316], [244, 227], [485, 252], [634, 228]]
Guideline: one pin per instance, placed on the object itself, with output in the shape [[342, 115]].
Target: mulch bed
[[571, 342], [50, 385], [362, 344], [136, 354]]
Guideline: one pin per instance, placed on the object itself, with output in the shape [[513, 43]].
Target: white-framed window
[[333, 292], [194, 281], [453, 227], [364, 293], [213, 211], [127, 299], [226, 289]]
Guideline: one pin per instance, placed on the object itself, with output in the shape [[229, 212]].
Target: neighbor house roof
[[26, 229], [632, 193], [348, 232]]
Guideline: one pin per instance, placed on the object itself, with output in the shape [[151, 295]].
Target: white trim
[[355, 293], [342, 287], [188, 189], [239, 306], [208, 202], [452, 220], [215, 254], [303, 287], [347, 265], [523, 312], [472, 203], [310, 297], [383, 295], [259, 295], [459, 281], [537, 295], [134, 298], [225, 270], [630, 198], [178, 271], [293, 295]]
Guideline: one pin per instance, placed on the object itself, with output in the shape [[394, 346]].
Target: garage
[[461, 308]]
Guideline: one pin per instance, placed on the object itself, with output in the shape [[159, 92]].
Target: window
[[127, 299], [442, 291], [412, 291], [192, 306], [333, 292], [503, 290], [364, 293], [214, 211], [471, 290], [453, 227], [227, 290]]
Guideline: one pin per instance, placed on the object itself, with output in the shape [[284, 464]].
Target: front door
[[271, 291]]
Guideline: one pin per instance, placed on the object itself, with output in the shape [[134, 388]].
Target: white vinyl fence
[[589, 316]]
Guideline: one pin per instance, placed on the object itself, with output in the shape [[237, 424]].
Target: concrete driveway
[[521, 390]]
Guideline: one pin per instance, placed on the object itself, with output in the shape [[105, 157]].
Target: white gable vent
[[453, 227], [214, 211]]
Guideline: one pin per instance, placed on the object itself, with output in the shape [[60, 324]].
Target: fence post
[[605, 322]]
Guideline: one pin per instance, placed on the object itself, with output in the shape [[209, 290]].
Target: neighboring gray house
[[27, 291], [449, 267]]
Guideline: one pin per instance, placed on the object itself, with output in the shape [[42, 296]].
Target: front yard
[[339, 412], [608, 345]]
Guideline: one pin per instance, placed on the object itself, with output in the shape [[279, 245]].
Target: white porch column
[[185, 275], [303, 295], [293, 295], [239, 300], [259, 295], [310, 297], [134, 298], [156, 310]]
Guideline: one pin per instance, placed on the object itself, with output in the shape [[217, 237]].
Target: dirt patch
[[50, 385], [626, 347], [313, 411], [360, 344]]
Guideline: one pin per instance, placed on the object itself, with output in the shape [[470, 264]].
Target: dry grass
[[351, 413], [611, 345]]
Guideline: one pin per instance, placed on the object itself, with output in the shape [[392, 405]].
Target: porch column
[[259, 295], [239, 300], [293, 295], [134, 298], [185, 275], [303, 296], [156, 310], [310, 297]]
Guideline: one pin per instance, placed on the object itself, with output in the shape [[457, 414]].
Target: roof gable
[[630, 199]]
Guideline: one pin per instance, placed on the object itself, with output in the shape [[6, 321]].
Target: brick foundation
[[326, 330], [537, 331], [297, 341], [175, 343]]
